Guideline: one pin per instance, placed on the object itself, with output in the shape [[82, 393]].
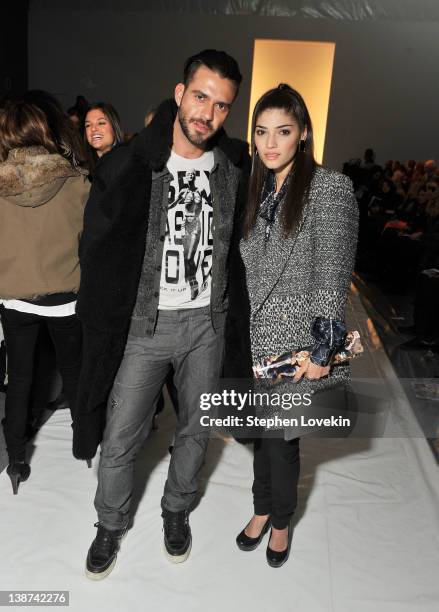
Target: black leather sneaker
[[101, 557], [178, 539]]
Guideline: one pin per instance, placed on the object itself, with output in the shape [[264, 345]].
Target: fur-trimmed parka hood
[[31, 176]]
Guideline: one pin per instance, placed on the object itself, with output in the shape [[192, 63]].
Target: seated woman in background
[[42, 200], [102, 132]]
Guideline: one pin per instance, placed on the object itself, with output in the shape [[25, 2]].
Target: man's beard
[[197, 139]]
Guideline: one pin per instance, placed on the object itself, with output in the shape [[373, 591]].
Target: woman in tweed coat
[[298, 249]]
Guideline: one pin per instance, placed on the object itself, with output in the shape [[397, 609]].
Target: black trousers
[[276, 467], [45, 375], [21, 333]]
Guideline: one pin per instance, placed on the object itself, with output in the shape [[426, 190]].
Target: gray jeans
[[186, 340]]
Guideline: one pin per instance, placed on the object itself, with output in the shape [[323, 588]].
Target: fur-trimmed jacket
[[113, 250], [42, 200]]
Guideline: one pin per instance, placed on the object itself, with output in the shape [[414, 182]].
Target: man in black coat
[[141, 313]]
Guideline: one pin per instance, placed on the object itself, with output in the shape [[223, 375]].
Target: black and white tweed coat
[[293, 280]]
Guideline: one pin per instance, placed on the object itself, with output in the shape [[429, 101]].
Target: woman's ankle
[[261, 517]]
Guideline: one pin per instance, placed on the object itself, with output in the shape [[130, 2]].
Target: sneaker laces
[[176, 526], [104, 542]]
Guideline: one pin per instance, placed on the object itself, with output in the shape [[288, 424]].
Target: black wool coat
[[111, 254]]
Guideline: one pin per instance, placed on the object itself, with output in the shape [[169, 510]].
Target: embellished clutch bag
[[287, 364]]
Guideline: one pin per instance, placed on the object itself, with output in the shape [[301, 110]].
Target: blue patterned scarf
[[271, 200]]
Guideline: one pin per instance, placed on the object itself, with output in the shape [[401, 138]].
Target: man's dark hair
[[218, 61]]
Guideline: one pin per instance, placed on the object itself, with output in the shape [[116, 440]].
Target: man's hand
[[311, 371]]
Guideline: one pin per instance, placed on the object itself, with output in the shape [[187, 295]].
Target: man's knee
[[116, 453]]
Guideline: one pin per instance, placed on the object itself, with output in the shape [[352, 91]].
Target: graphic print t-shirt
[[187, 253]]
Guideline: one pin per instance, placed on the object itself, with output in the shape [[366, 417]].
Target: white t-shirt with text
[[187, 252]]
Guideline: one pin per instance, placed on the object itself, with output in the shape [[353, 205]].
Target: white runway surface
[[366, 535]]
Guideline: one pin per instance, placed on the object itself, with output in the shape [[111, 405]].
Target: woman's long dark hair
[[289, 100], [114, 120]]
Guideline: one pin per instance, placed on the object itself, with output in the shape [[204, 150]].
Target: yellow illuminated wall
[[307, 67]]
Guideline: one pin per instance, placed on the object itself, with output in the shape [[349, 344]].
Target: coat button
[[283, 316]]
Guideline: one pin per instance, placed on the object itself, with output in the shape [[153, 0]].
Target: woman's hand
[[311, 371]]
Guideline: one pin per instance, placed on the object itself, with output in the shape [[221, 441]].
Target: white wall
[[384, 90]]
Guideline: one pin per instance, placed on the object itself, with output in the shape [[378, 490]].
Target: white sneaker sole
[[101, 575], [178, 558]]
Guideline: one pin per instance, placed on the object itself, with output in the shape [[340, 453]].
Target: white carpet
[[366, 537]]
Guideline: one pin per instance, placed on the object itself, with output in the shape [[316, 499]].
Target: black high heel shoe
[[277, 558], [244, 542], [18, 472]]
